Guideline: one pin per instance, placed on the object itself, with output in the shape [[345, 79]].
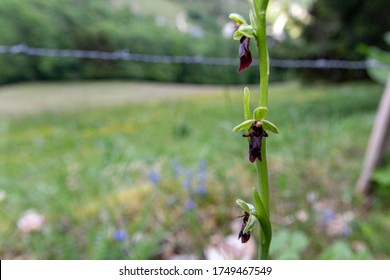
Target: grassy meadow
[[122, 170]]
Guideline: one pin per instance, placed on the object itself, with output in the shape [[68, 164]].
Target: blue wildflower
[[188, 179], [190, 204], [154, 177], [202, 185], [346, 230], [202, 166], [202, 188], [120, 235], [327, 217], [176, 167], [202, 173]]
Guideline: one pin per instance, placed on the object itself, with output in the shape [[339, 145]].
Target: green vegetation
[[335, 30], [109, 26], [145, 179], [344, 30], [381, 178]]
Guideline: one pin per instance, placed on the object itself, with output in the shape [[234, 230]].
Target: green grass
[[94, 167]]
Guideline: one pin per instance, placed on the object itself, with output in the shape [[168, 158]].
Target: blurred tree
[[380, 75], [104, 26], [340, 28]]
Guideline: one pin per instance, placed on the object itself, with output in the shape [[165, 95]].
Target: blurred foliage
[[381, 178], [166, 173], [335, 30], [105, 26], [338, 29], [382, 74], [342, 250], [288, 245]]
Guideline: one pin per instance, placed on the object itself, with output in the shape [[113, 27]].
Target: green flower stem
[[262, 171], [258, 124], [263, 190], [261, 38], [262, 168]]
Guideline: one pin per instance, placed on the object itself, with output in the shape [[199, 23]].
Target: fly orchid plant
[[255, 124]]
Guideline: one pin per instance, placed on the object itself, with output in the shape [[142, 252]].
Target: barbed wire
[[147, 58]]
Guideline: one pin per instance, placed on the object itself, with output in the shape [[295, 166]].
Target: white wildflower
[[31, 221]]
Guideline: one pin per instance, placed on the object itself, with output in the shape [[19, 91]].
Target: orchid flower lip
[[244, 53], [256, 134], [244, 236]]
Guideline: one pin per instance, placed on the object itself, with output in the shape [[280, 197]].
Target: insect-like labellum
[[256, 133], [244, 236], [244, 53]]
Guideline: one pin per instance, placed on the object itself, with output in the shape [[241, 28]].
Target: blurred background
[[116, 118]]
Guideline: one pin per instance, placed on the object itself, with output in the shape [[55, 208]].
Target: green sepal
[[247, 106], [267, 125], [250, 225], [237, 35], [244, 125], [246, 30], [263, 217], [247, 207], [238, 18], [260, 113]]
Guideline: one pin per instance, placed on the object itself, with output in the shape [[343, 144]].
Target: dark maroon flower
[[256, 134], [245, 53], [244, 236]]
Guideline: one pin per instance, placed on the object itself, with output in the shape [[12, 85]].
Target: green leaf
[[238, 18], [247, 207], [267, 125], [260, 113], [381, 176], [380, 74], [262, 216], [387, 38], [244, 125], [247, 106], [289, 245], [339, 250]]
